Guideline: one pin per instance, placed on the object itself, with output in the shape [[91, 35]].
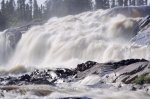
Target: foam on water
[[67, 41], [55, 93]]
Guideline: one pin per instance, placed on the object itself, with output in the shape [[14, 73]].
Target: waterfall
[[74, 39]]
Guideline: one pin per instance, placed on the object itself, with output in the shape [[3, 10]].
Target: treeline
[[65, 7], [22, 12], [18, 13], [114, 3]]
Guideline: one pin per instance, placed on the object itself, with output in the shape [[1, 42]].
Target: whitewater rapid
[[67, 41], [71, 40]]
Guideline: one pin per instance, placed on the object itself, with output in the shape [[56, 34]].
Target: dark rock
[[144, 22], [40, 81], [133, 88], [64, 73], [13, 36], [25, 77], [143, 34], [85, 66], [125, 62], [125, 71], [75, 98], [129, 73]]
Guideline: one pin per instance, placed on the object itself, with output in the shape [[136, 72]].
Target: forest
[[16, 13]]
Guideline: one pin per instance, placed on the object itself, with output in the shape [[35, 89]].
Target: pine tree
[[42, 12], [125, 2], [11, 9], [132, 2], [21, 10], [27, 13], [112, 3], [47, 9], [102, 4], [145, 2], [31, 9], [35, 10], [140, 2], [3, 7], [106, 4], [120, 2], [3, 24]]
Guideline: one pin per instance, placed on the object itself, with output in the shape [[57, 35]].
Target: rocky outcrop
[[129, 73], [123, 71], [13, 36], [75, 98], [143, 32]]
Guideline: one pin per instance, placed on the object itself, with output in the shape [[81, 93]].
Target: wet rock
[[141, 39], [25, 77], [125, 71], [125, 62], [133, 88], [13, 36], [75, 98], [85, 66], [143, 33], [144, 22], [129, 73], [64, 73]]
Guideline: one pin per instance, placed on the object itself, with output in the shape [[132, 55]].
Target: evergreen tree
[[3, 7], [132, 2], [125, 2], [21, 10], [112, 3], [2, 22], [35, 10], [30, 9], [102, 4], [42, 12], [145, 2], [140, 2], [47, 9], [106, 4], [11, 7], [120, 2], [27, 13]]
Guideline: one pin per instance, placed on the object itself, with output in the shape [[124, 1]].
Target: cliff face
[[143, 36]]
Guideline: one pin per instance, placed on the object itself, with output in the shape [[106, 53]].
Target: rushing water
[[74, 39], [67, 41]]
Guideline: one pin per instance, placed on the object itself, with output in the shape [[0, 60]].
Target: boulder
[[143, 35], [125, 71], [13, 36]]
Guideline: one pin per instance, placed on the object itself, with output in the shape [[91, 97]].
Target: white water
[[56, 93], [65, 42], [74, 39]]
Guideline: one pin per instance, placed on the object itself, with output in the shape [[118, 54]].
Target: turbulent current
[[75, 39], [68, 41]]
